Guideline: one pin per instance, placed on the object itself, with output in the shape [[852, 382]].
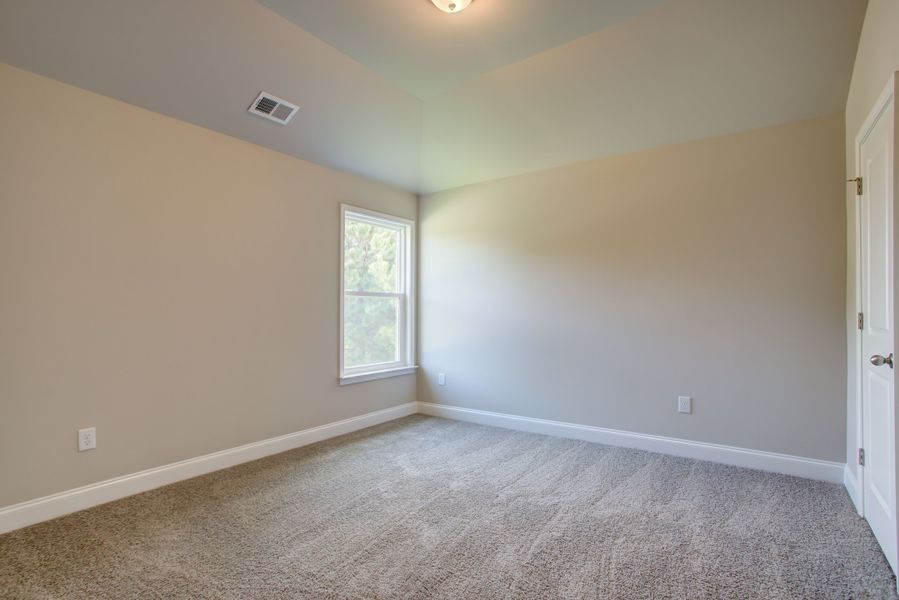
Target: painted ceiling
[[400, 92]]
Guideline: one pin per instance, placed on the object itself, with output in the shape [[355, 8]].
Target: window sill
[[373, 375]]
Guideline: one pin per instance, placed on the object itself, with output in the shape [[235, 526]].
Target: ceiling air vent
[[273, 108]]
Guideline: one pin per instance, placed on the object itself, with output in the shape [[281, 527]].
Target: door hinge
[[858, 185], [861, 320], [861, 457]]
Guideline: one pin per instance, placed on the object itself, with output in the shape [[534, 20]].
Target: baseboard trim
[[851, 483], [56, 505], [786, 464]]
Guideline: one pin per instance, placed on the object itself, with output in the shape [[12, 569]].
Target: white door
[[875, 162]]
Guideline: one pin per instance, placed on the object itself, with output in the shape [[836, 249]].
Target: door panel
[[878, 404], [879, 222], [876, 469]]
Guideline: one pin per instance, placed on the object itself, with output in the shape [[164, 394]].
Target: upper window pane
[[370, 257]]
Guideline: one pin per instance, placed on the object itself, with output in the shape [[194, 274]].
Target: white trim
[[857, 473], [56, 505], [378, 218], [397, 295], [809, 468], [406, 333], [372, 375], [855, 492]]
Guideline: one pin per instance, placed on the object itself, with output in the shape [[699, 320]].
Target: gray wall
[[597, 293], [172, 286]]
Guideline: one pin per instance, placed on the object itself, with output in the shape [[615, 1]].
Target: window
[[376, 296]]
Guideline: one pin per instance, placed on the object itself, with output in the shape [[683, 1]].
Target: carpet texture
[[430, 508]]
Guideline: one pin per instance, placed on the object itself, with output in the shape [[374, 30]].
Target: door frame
[[855, 476]]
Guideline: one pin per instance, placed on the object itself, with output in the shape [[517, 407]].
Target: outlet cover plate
[[684, 404], [87, 439]]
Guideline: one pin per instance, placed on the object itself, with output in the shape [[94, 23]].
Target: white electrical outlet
[[87, 439], [684, 404], [441, 378]]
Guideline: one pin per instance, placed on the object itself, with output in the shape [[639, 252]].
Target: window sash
[[400, 295], [401, 333]]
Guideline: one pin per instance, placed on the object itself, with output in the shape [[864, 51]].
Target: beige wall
[[876, 60], [597, 293], [172, 286]]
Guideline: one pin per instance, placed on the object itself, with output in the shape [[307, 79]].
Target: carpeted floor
[[429, 508]]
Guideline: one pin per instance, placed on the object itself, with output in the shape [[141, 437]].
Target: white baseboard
[[808, 468], [855, 492], [56, 505]]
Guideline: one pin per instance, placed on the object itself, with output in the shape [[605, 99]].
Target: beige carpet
[[429, 508]]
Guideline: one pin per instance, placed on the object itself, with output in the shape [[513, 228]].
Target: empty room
[[451, 299]]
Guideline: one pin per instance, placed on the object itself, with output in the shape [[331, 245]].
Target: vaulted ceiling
[[426, 52], [401, 92]]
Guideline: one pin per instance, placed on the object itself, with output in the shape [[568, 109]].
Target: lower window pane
[[370, 333]]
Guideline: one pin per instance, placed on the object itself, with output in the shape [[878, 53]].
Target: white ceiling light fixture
[[451, 6]]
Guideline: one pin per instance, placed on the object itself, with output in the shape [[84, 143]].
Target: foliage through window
[[377, 307]]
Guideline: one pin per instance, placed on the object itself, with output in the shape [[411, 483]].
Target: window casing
[[377, 311]]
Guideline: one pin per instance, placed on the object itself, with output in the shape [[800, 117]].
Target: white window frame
[[406, 298]]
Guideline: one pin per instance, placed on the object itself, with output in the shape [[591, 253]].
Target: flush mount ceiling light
[[451, 6]]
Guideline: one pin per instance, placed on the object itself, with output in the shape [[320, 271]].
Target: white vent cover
[[273, 108]]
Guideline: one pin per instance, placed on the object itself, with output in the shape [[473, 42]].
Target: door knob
[[878, 360]]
